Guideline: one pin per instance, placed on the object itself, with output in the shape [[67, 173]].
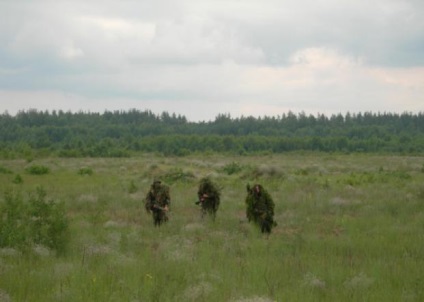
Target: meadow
[[350, 228]]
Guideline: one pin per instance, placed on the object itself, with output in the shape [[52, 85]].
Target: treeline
[[122, 133]]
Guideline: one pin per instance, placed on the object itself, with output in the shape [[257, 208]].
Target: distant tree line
[[122, 133]]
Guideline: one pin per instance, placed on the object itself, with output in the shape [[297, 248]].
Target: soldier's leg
[[156, 218], [263, 223], [203, 212], [214, 210], [265, 228]]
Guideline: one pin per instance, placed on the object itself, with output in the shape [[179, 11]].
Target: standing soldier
[[260, 208], [158, 201], [209, 197]]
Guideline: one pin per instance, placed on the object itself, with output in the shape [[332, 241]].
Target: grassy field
[[350, 228]]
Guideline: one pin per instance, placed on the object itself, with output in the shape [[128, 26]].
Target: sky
[[204, 58]]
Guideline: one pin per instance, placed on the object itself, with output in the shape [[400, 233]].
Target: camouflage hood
[[207, 186]]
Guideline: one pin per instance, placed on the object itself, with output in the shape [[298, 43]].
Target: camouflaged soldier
[[158, 201], [260, 208], [209, 197]]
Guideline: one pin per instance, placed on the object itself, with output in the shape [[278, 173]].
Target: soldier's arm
[[167, 199], [148, 202], [270, 204]]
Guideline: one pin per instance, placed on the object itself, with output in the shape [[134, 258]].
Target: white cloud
[[118, 29], [69, 51], [316, 80]]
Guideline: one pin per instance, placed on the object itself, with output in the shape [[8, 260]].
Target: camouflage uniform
[[260, 208], [209, 197], [158, 201]]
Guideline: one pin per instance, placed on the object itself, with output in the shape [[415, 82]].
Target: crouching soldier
[[209, 195], [260, 208], [158, 201]]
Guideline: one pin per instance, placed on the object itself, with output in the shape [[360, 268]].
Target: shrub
[[18, 179], [38, 221], [177, 175], [420, 193], [85, 171], [48, 220], [232, 168], [5, 170], [263, 171], [37, 170], [132, 188], [14, 229]]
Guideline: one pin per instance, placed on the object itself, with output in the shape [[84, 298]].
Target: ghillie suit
[[209, 195], [157, 202], [260, 208]]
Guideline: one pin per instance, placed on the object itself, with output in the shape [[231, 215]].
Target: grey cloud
[[235, 52], [382, 32]]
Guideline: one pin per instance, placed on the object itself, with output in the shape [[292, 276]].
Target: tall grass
[[349, 229]]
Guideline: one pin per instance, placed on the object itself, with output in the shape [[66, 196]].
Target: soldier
[[158, 201], [209, 197], [260, 208]]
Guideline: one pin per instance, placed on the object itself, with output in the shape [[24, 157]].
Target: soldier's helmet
[[156, 183], [256, 190]]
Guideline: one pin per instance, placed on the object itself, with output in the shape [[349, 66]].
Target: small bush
[[37, 221], [37, 170], [132, 188], [302, 172], [420, 193], [177, 175], [232, 168], [18, 179], [48, 220], [85, 171], [13, 227], [4, 170], [263, 171]]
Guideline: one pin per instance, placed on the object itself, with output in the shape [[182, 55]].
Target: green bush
[[5, 170], [232, 168], [85, 171], [37, 170], [14, 228], [420, 193], [177, 175], [37, 221], [18, 179], [132, 188]]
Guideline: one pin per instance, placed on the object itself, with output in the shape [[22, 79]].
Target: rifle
[[202, 199], [164, 209], [152, 205]]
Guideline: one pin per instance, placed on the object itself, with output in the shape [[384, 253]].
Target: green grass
[[350, 228]]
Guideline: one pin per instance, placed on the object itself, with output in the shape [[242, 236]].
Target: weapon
[[202, 199], [164, 209]]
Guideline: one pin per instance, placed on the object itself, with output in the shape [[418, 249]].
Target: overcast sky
[[201, 58]]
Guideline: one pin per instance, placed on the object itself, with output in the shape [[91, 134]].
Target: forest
[[124, 133]]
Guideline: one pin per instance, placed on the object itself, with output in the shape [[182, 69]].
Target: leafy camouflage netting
[[157, 201], [209, 195], [260, 208]]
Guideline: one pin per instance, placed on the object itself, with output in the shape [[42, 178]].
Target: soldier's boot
[[203, 213], [265, 228]]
